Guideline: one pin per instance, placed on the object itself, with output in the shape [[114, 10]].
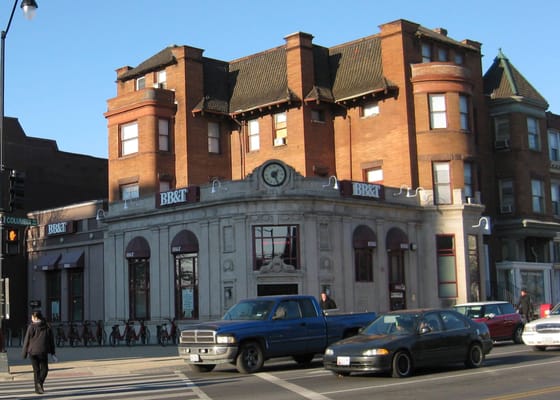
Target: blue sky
[[60, 67]]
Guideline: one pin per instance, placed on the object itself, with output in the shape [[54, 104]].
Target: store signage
[[362, 189], [60, 228], [177, 197]]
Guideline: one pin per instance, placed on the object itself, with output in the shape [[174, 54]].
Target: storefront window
[[139, 288], [276, 244], [53, 295], [76, 294], [447, 272], [186, 284]]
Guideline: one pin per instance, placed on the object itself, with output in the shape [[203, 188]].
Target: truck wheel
[[402, 365], [200, 368], [539, 348], [517, 334], [303, 359], [250, 358]]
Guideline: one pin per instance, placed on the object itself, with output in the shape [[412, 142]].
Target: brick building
[[207, 158]]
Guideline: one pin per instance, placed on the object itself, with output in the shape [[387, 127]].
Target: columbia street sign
[[11, 220]]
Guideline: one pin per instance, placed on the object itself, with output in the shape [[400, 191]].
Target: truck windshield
[[250, 310]]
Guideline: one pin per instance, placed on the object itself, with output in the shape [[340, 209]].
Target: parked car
[[543, 332], [400, 341], [501, 318], [255, 330]]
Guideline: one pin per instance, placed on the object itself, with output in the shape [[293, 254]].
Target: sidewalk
[[95, 360]]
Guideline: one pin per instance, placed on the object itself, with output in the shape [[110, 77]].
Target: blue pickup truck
[[261, 328]]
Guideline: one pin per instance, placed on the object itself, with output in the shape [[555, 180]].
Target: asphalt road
[[510, 372]]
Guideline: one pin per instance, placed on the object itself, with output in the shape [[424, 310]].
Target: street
[[510, 372]]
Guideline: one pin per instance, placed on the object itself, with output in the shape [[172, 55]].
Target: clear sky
[[60, 67]]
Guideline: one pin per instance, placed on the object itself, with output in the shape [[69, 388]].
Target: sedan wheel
[[402, 365], [475, 356], [517, 334]]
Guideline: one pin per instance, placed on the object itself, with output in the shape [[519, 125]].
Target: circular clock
[[274, 174]]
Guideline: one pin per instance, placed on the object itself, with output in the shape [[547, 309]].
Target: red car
[[501, 318]]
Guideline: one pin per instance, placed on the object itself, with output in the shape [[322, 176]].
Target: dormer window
[[140, 83]]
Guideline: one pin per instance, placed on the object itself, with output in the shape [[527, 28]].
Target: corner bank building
[[368, 169]]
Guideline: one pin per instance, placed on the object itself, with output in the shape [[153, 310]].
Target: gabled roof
[[504, 81]]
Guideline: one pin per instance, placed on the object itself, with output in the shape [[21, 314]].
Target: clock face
[[274, 174]]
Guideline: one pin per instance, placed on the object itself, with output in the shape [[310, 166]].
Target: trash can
[[545, 309]]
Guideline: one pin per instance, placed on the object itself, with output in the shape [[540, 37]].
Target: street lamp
[[28, 7]]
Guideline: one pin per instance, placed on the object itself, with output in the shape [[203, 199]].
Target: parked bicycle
[[100, 334], [74, 337], [87, 334], [61, 337], [143, 333], [165, 336], [129, 335]]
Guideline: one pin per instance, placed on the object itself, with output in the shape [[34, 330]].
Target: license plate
[[195, 358], [342, 360]]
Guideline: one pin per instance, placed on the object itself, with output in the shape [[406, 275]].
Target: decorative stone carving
[[276, 265]]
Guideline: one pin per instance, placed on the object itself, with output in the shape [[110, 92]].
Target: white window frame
[[374, 175], [507, 197], [464, 114], [163, 134], [438, 111], [280, 128], [161, 79], [468, 179], [426, 52], [130, 191], [140, 83], [370, 109], [164, 186], [533, 133], [129, 138], [554, 145], [214, 137], [442, 182], [537, 196], [253, 135], [555, 197]]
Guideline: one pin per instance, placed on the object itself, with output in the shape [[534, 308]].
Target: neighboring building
[[523, 187], [53, 178]]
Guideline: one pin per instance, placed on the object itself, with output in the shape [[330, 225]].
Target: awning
[[72, 259], [138, 248], [48, 262], [184, 242]]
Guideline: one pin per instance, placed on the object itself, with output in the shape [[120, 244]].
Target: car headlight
[[529, 328], [225, 339], [329, 352], [376, 352]]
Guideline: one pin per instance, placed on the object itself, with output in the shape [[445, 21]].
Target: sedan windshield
[[394, 324], [250, 310]]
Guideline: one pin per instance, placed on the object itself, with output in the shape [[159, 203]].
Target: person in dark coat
[[38, 344], [525, 306], [326, 302]]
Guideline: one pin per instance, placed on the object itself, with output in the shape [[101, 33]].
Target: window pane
[[371, 109], [163, 128], [254, 138], [438, 117], [213, 137], [129, 138]]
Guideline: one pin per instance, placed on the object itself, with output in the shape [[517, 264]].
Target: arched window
[[138, 256], [184, 247], [364, 241]]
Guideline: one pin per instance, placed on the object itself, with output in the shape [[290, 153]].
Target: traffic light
[[11, 240], [17, 186]]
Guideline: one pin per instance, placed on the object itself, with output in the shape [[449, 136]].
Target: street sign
[[11, 220]]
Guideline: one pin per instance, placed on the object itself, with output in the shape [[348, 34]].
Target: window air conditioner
[[501, 144], [506, 209], [281, 141]]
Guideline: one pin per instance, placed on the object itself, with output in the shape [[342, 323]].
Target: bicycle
[[164, 336], [100, 334], [87, 334], [73, 335], [115, 337], [61, 337], [143, 333]]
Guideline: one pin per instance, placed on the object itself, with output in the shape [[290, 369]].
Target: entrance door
[[397, 288]]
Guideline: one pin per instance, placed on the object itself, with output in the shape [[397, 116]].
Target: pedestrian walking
[[525, 306], [326, 302], [38, 344]]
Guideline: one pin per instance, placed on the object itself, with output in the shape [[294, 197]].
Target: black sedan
[[400, 341]]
